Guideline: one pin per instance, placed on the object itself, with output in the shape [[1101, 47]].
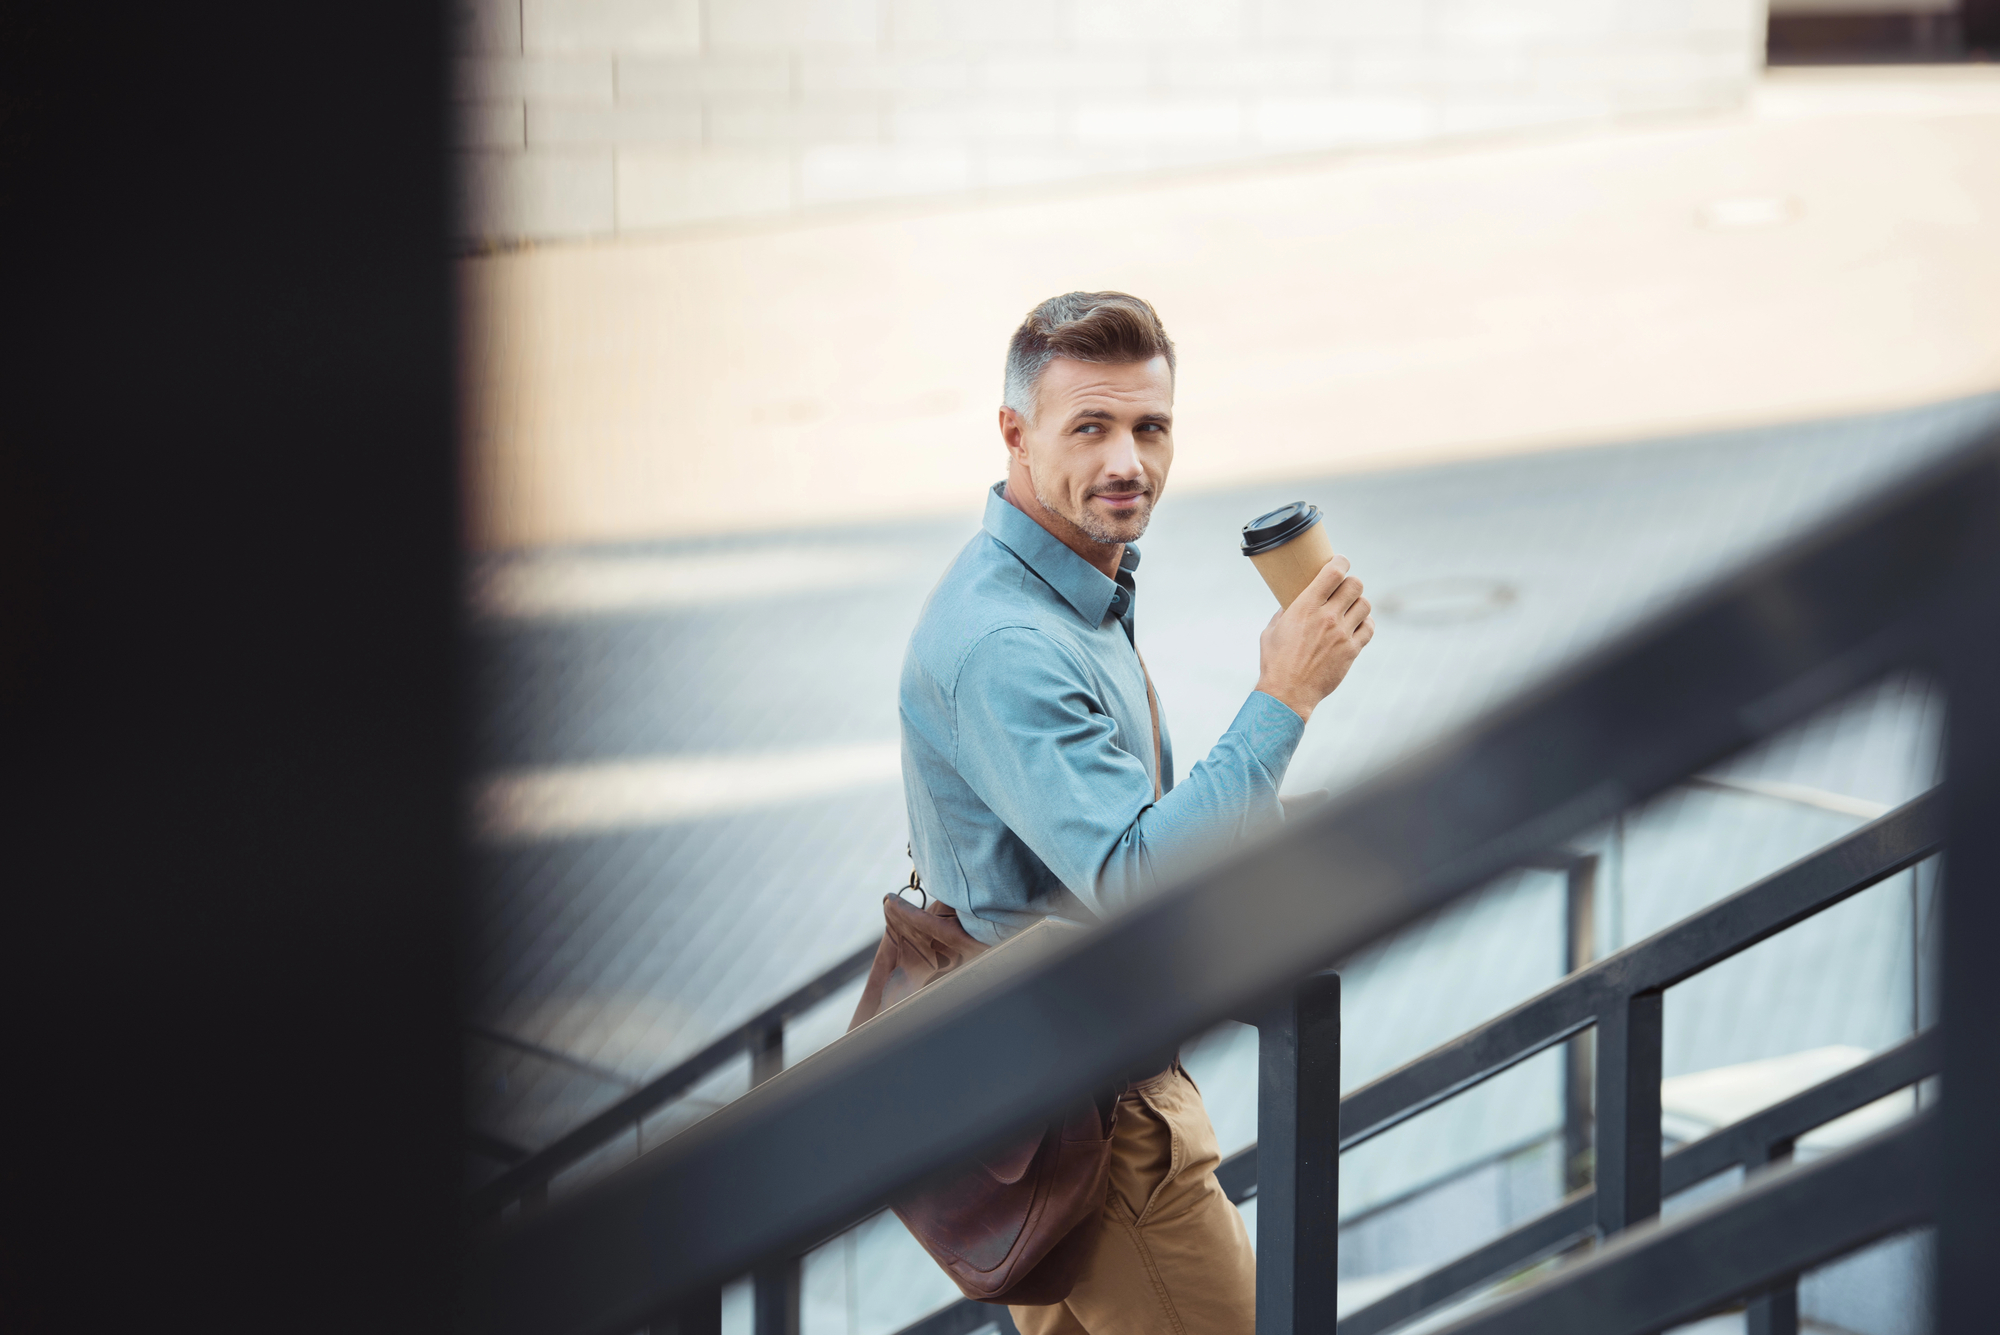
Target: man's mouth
[[1120, 500]]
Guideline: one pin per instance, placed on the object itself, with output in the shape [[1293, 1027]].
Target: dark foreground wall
[[227, 727]]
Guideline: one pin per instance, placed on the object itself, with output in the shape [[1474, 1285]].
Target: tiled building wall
[[594, 117]]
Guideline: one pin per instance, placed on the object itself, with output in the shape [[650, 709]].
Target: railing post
[[775, 1286], [1628, 1111], [767, 1053], [1580, 950], [775, 1303], [1298, 1160], [1969, 1189], [699, 1315], [1775, 1312]]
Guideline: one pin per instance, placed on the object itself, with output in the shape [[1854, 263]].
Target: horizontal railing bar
[[1647, 1279], [489, 1146], [1557, 859], [1745, 1141], [1442, 1180], [1543, 1236], [1472, 1058], [1575, 1219], [1814, 883], [1736, 1144], [964, 1317], [591, 1135], [554, 1056], [931, 1080]]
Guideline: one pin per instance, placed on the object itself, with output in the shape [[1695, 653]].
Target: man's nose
[[1124, 459]]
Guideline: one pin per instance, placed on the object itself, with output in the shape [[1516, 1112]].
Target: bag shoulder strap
[[1153, 708], [930, 941]]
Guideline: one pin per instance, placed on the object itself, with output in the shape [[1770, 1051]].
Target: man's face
[[1100, 446]]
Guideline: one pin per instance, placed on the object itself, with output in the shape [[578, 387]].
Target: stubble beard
[[1101, 529]]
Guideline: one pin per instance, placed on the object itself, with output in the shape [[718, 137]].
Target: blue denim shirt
[[1028, 745]]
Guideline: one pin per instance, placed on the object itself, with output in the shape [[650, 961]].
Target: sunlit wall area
[[1827, 249], [581, 118]]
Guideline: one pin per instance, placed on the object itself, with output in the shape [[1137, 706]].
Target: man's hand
[[1307, 648]]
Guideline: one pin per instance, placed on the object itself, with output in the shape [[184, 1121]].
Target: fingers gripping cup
[[1288, 546]]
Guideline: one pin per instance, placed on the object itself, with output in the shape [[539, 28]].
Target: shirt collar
[[1082, 585]]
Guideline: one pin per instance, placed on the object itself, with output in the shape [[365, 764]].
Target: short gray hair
[[1085, 327]]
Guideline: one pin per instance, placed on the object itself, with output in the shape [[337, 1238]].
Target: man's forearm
[[1231, 794]]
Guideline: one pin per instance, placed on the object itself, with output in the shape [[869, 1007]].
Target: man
[[1039, 786]]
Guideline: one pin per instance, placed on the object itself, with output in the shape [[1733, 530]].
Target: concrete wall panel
[[642, 78], [539, 196], [556, 26], [1159, 22], [1340, 120], [781, 105], [978, 119], [794, 23], [671, 188], [842, 173], [1155, 121], [970, 22], [495, 78], [1066, 73], [1342, 20], [489, 125], [485, 26], [559, 125], [883, 73], [785, 126]]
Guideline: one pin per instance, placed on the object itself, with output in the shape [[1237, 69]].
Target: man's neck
[[1104, 556]]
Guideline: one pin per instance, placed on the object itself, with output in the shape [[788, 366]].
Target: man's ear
[[1011, 428]]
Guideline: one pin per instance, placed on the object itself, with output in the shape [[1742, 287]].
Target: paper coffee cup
[[1289, 546]]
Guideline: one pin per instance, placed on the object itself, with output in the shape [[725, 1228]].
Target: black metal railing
[[1299, 1049], [776, 1285], [1621, 997], [1913, 579], [1776, 1226], [762, 1037]]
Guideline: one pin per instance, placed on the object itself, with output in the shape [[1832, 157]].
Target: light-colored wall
[[583, 118]]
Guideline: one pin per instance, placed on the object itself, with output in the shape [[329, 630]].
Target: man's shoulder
[[986, 593]]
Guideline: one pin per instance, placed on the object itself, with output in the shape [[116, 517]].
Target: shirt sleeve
[[1035, 747]]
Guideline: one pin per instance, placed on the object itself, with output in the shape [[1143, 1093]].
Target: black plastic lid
[[1278, 527]]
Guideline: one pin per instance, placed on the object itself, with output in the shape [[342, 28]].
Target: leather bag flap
[[1010, 1165]]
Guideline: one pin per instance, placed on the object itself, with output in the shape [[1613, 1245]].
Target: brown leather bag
[[1016, 1225], [1020, 1224]]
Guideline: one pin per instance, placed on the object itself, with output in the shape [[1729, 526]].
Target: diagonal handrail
[[1652, 1278], [818, 1145], [1828, 876], [1739, 1144], [1821, 879], [527, 1172]]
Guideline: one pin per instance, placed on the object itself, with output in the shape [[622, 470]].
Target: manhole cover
[[1447, 599]]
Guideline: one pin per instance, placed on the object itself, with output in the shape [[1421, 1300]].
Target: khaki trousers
[[1174, 1258]]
